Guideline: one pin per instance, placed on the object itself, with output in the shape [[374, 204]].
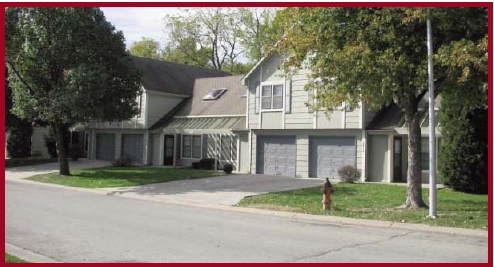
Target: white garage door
[[276, 155], [328, 154], [105, 146], [133, 147]]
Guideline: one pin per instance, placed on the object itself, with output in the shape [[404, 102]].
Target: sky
[[138, 22]]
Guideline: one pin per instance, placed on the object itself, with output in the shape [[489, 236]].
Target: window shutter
[[258, 88], [288, 96]]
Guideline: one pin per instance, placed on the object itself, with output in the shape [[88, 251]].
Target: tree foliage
[[218, 38], [68, 65], [378, 56], [146, 47], [20, 130]]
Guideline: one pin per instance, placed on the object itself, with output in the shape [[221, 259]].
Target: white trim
[[161, 158], [242, 82], [152, 92], [209, 116], [361, 117], [363, 172], [191, 145], [391, 157], [238, 153], [343, 119], [250, 151], [283, 96], [247, 109], [260, 93], [174, 149], [146, 114]]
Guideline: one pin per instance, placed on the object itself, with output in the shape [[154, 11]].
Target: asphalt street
[[74, 226]]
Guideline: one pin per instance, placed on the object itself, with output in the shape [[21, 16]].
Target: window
[[272, 97], [266, 97], [214, 94], [191, 146], [228, 148]]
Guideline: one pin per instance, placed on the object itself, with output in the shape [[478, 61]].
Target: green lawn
[[379, 202], [122, 176], [13, 259]]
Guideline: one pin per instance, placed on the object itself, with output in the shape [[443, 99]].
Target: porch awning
[[206, 125]]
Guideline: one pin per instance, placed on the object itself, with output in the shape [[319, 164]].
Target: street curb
[[343, 221], [27, 255]]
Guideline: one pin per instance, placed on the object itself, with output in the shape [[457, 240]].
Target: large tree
[[257, 31], [68, 66], [377, 56], [146, 47], [215, 32]]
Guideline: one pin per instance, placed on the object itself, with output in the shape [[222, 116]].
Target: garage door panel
[[277, 156], [133, 146], [105, 146], [328, 154]]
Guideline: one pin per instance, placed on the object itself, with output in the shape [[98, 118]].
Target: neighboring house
[[211, 124], [259, 123], [286, 139], [165, 85]]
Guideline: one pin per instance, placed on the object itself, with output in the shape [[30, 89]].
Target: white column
[[363, 174], [146, 148], [118, 145], [391, 157], [175, 147], [161, 149]]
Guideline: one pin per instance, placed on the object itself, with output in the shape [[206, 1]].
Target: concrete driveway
[[221, 190], [16, 173]]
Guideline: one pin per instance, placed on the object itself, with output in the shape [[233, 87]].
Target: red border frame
[[488, 5]]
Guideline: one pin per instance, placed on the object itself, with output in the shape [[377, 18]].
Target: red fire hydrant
[[326, 195]]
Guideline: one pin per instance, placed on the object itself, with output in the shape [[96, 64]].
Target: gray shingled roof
[[229, 103], [169, 77]]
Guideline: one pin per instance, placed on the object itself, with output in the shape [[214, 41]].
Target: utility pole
[[432, 124]]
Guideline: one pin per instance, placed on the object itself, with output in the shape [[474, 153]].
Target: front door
[[397, 175], [168, 156]]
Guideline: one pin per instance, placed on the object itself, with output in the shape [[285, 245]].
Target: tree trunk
[[414, 174], [58, 129]]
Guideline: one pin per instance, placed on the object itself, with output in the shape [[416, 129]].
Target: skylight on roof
[[214, 94]]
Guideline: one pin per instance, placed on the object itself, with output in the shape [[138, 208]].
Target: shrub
[[463, 154], [19, 141], [51, 146], [348, 174], [195, 165], [123, 161], [228, 168]]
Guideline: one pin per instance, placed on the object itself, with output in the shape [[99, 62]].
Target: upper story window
[[214, 94], [272, 96]]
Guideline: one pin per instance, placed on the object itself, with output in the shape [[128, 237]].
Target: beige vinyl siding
[[331, 120], [38, 141], [299, 117], [253, 117], [158, 106], [155, 148], [272, 120], [352, 119], [302, 142]]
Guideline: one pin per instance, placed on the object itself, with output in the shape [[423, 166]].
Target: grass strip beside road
[[379, 202], [13, 259], [122, 176]]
